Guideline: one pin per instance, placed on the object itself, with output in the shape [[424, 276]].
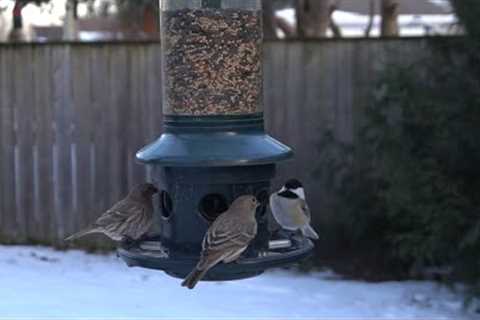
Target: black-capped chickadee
[[290, 209]]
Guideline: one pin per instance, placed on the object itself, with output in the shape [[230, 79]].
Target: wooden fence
[[72, 117]]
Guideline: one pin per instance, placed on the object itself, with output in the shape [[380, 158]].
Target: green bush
[[411, 187]]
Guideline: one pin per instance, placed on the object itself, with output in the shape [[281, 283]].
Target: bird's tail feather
[[309, 232], [81, 233], [192, 279]]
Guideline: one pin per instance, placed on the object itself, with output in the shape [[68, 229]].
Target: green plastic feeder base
[[241, 269]]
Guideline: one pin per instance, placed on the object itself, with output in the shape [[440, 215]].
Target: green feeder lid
[[214, 141]]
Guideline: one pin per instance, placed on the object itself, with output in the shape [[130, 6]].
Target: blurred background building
[[88, 20], [94, 20]]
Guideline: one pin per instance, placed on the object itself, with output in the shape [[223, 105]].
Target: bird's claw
[[298, 237], [129, 243]]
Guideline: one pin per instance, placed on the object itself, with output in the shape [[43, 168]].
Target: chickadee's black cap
[[293, 184]]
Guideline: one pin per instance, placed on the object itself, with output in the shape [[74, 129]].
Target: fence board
[[10, 134], [73, 117], [44, 139], [23, 101], [62, 95], [84, 120], [2, 187], [8, 142], [135, 126], [118, 93], [101, 139]]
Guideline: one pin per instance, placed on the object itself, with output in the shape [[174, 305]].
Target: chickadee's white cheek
[[300, 192]]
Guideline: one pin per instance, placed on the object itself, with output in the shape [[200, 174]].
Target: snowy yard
[[40, 282]]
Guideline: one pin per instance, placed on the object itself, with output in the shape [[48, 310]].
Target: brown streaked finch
[[227, 238], [128, 220]]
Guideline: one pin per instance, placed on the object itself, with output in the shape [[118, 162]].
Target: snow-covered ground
[[40, 282]]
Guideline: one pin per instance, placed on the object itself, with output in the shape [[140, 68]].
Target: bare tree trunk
[[91, 7], [151, 22], [368, 29], [337, 32], [313, 18], [70, 24], [390, 10], [17, 15], [17, 34], [269, 23], [287, 29], [75, 9]]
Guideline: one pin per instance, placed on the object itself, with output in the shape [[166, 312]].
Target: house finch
[[227, 237], [128, 220], [290, 209]]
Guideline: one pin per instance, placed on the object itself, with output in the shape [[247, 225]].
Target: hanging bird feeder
[[214, 147]]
